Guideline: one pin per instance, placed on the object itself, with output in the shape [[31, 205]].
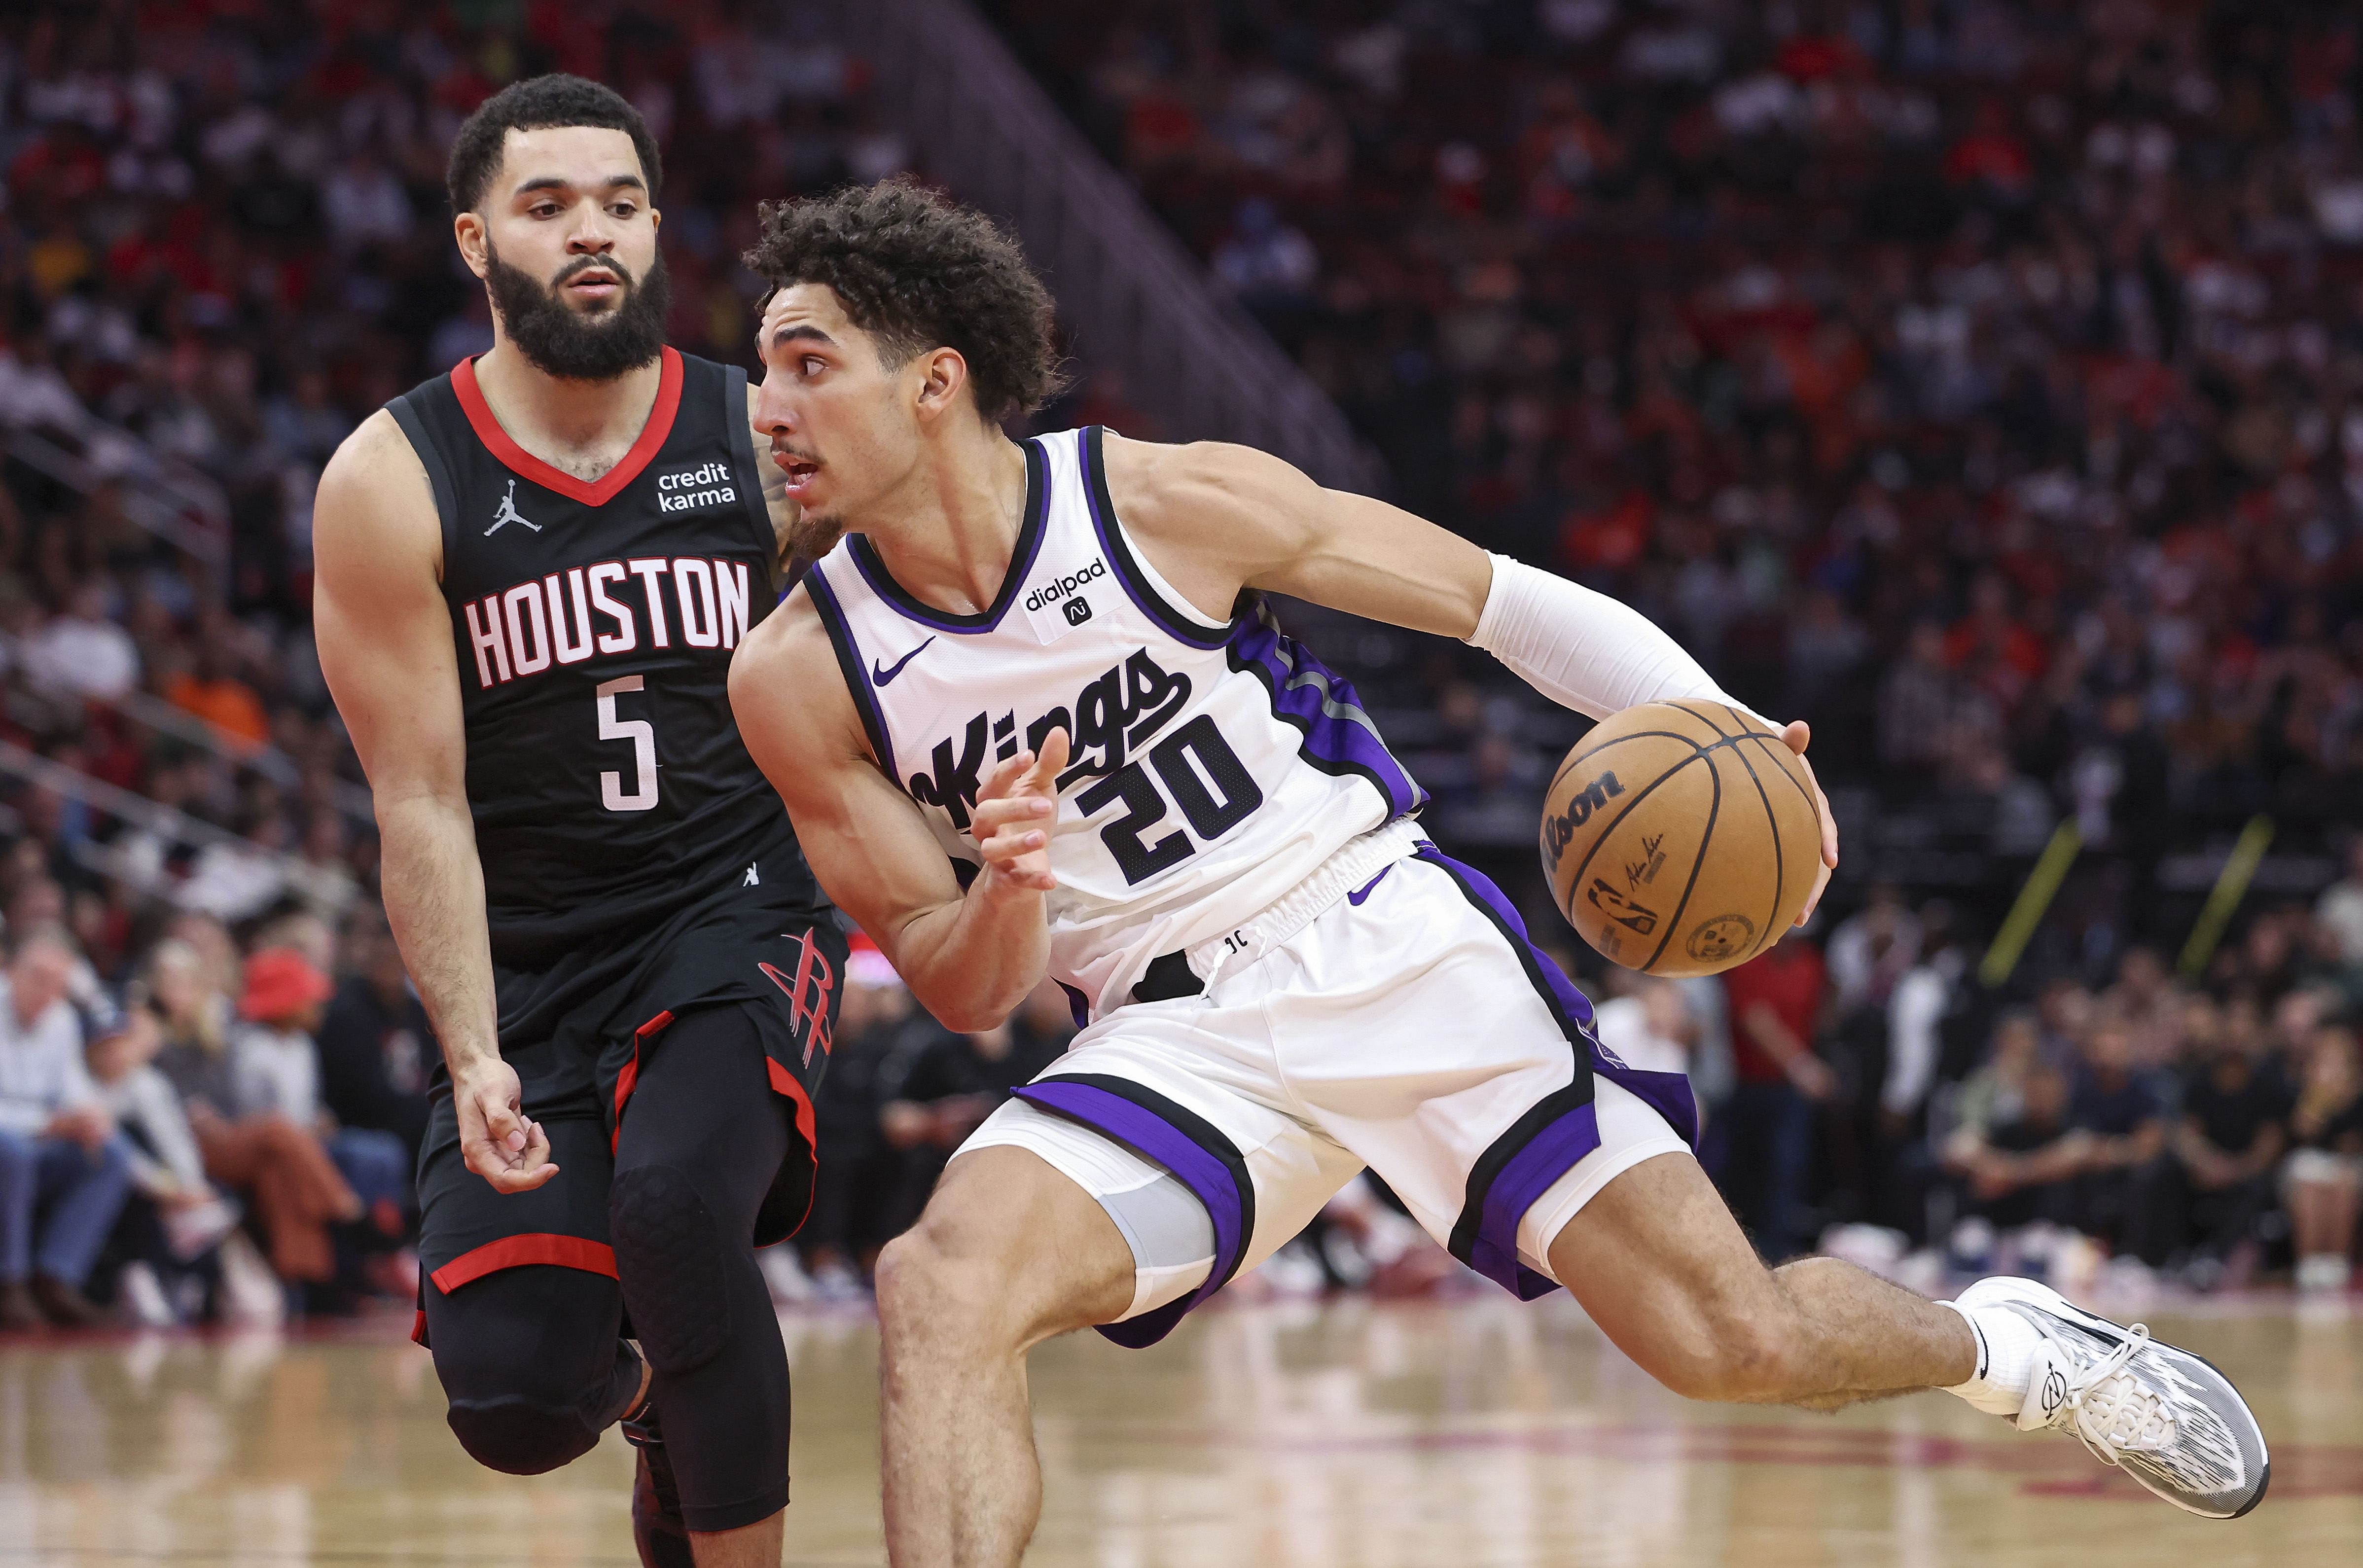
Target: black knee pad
[[520, 1437], [672, 1262]]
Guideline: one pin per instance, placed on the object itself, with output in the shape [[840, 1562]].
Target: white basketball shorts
[[1408, 1026]]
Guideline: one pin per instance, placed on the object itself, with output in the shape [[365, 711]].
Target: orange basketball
[[1680, 838]]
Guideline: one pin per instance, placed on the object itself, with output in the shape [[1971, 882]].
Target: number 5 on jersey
[[643, 737]]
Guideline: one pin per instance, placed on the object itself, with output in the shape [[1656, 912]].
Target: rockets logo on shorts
[[808, 992]]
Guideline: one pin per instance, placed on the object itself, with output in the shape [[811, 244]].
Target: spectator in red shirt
[[1775, 1003]]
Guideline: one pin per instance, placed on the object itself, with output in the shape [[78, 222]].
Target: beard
[[810, 538], [581, 345]]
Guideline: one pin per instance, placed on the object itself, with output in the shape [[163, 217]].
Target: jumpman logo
[[509, 514]]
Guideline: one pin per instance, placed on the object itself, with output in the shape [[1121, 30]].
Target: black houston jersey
[[616, 808]]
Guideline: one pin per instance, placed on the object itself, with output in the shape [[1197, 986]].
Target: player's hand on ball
[[1016, 811], [1799, 735], [502, 1144]]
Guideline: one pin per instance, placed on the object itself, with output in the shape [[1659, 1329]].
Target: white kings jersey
[[1213, 766]]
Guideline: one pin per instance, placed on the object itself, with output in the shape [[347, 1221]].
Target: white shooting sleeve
[[1583, 649]]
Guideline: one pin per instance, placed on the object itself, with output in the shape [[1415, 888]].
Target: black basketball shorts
[[467, 1230]]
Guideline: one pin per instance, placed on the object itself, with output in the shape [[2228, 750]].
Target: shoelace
[[2109, 1410]]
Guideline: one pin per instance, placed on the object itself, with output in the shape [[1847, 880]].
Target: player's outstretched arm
[[969, 958], [385, 646], [1219, 518]]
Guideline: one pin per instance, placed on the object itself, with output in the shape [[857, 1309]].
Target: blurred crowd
[[2201, 1123], [213, 1137], [1981, 380]]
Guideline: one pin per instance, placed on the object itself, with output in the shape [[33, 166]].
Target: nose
[[771, 412], [590, 237]]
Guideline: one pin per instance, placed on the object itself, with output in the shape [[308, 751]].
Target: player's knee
[[672, 1262], [931, 1287], [519, 1436]]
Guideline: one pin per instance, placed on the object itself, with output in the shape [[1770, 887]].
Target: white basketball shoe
[[2163, 1416]]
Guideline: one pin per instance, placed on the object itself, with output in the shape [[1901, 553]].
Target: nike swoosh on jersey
[[882, 676]]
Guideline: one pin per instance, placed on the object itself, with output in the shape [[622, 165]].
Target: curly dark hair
[[917, 272], [541, 103]]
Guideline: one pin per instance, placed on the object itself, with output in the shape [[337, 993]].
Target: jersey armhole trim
[[589, 493], [439, 472], [751, 466], [848, 664], [1155, 596]]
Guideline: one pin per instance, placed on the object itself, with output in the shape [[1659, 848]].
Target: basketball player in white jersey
[[1044, 664]]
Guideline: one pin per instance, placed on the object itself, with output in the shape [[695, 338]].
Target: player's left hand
[[1015, 810], [1799, 735]]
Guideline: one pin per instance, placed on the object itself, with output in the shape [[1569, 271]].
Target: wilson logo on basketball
[[1559, 831]]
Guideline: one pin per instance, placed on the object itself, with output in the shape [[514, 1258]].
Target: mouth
[[595, 282], [800, 471]]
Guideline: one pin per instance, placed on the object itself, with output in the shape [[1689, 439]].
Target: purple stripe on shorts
[[1547, 1156], [1572, 1002], [1324, 704], [1561, 1143], [1669, 1093], [1154, 1137]]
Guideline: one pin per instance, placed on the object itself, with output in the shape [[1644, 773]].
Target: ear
[[943, 379], [467, 229]]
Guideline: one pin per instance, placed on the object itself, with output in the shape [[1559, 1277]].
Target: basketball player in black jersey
[[532, 572]]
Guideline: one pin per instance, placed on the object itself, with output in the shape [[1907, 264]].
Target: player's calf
[[1663, 1268], [1737, 1356], [1009, 1253]]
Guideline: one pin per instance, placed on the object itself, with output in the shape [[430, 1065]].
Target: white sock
[[2006, 1347]]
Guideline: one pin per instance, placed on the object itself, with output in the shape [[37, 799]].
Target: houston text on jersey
[[562, 620]]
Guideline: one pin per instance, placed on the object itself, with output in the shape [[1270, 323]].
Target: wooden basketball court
[[1469, 1434]]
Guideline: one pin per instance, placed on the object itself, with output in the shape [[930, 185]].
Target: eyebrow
[[792, 333], [559, 183]]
